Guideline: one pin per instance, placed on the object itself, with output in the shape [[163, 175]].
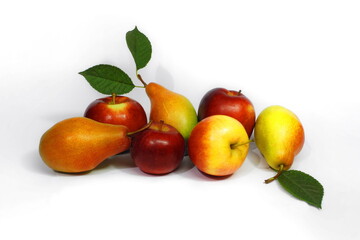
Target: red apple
[[220, 101], [159, 149], [125, 111]]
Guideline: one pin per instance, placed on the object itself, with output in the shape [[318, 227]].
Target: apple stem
[[240, 144], [129, 134], [276, 176], [141, 80], [239, 92], [113, 98], [161, 124]]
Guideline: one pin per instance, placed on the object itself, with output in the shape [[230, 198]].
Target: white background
[[303, 55]]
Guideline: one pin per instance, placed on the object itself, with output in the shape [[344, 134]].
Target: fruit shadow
[[124, 162], [33, 162], [120, 161], [188, 170], [164, 78], [253, 160]]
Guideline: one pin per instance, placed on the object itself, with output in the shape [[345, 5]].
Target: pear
[[172, 108], [80, 144], [279, 136]]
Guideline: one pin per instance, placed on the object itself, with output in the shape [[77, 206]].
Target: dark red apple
[[124, 111], [220, 101], [158, 150]]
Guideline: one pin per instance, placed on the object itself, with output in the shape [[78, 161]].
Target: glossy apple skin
[[218, 145], [158, 149], [126, 111], [220, 101]]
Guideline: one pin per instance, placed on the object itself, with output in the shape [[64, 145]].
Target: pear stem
[[141, 80], [129, 134], [276, 176]]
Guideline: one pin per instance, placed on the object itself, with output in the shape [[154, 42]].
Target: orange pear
[[80, 144], [172, 108]]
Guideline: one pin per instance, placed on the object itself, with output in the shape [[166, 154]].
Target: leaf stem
[[276, 176], [129, 134], [161, 125]]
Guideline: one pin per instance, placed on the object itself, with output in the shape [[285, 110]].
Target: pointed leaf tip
[[302, 186], [108, 79], [140, 47]]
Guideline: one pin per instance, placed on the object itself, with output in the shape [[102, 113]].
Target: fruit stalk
[[280, 171], [129, 134], [113, 98], [141, 80], [240, 144]]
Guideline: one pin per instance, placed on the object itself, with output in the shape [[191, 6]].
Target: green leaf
[[139, 46], [108, 79], [302, 186]]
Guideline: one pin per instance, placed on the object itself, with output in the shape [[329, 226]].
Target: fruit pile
[[216, 137]]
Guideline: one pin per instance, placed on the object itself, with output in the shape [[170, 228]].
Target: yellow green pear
[[279, 136], [172, 108]]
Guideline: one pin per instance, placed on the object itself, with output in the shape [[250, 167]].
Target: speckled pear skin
[[172, 108], [279, 136], [80, 144]]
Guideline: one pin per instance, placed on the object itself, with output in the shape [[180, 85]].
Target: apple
[[218, 145], [118, 110], [159, 149], [220, 101]]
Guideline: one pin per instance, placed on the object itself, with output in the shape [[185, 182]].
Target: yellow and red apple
[[218, 145], [220, 101], [123, 111]]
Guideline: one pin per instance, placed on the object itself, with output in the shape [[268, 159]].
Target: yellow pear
[[80, 144], [279, 136], [172, 108]]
